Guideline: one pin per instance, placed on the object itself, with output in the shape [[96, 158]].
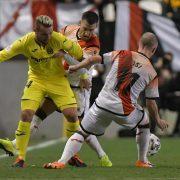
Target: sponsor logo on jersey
[[49, 50], [40, 60]]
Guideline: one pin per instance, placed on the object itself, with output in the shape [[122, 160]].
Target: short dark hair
[[91, 17]]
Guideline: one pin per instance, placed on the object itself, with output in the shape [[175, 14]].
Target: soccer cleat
[[54, 165], [7, 146], [19, 163], [105, 161], [76, 161], [142, 164]]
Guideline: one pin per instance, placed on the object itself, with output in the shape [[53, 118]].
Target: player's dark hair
[[91, 17]]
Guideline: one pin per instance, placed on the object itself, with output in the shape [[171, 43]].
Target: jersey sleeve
[[151, 91], [109, 58], [17, 47], [72, 48]]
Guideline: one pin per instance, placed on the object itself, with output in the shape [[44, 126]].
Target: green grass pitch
[[121, 151]]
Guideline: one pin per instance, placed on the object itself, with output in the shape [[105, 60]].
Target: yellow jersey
[[42, 65]]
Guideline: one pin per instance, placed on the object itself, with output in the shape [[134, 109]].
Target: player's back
[[130, 74]]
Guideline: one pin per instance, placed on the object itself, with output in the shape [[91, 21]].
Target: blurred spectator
[[68, 1], [46, 7], [169, 88], [171, 9], [164, 62], [107, 15]]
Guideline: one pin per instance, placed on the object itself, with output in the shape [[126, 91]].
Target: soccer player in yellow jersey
[[46, 77], [89, 42]]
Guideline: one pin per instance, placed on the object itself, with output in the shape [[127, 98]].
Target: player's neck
[[145, 53], [40, 43]]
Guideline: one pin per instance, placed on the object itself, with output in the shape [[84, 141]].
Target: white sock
[[93, 142], [36, 121], [142, 140], [72, 146]]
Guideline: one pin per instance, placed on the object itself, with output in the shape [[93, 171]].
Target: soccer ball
[[154, 145]]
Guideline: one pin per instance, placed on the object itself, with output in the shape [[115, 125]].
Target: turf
[[121, 151]]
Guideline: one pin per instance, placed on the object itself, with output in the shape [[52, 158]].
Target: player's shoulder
[[57, 36], [69, 29], [116, 54], [147, 63], [121, 54], [27, 38], [124, 53]]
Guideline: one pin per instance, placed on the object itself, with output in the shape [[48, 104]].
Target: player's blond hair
[[44, 20], [149, 40]]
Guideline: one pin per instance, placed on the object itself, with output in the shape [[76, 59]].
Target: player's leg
[[91, 123], [46, 108], [70, 114], [71, 126], [142, 140], [66, 103], [23, 131], [82, 99], [72, 147], [33, 95], [93, 142]]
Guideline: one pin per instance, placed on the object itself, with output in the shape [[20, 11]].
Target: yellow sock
[[71, 128], [22, 138]]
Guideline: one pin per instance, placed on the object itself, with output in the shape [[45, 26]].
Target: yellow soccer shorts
[[34, 93]]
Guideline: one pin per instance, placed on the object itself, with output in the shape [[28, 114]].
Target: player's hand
[[162, 124], [85, 84], [72, 68], [59, 54]]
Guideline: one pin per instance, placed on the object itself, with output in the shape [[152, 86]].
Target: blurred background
[[121, 25]]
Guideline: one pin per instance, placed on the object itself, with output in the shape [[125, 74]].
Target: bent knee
[[70, 114], [27, 115], [71, 117]]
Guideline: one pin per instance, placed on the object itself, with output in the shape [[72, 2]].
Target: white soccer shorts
[[96, 120]]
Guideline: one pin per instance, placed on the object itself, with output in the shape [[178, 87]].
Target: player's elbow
[[98, 59], [95, 59], [150, 103]]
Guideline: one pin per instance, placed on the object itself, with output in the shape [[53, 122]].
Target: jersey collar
[[143, 54]]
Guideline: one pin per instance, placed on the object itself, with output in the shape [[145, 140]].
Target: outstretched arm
[[17, 47], [153, 112], [86, 63]]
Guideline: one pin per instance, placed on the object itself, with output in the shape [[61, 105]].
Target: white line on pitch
[[39, 146]]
